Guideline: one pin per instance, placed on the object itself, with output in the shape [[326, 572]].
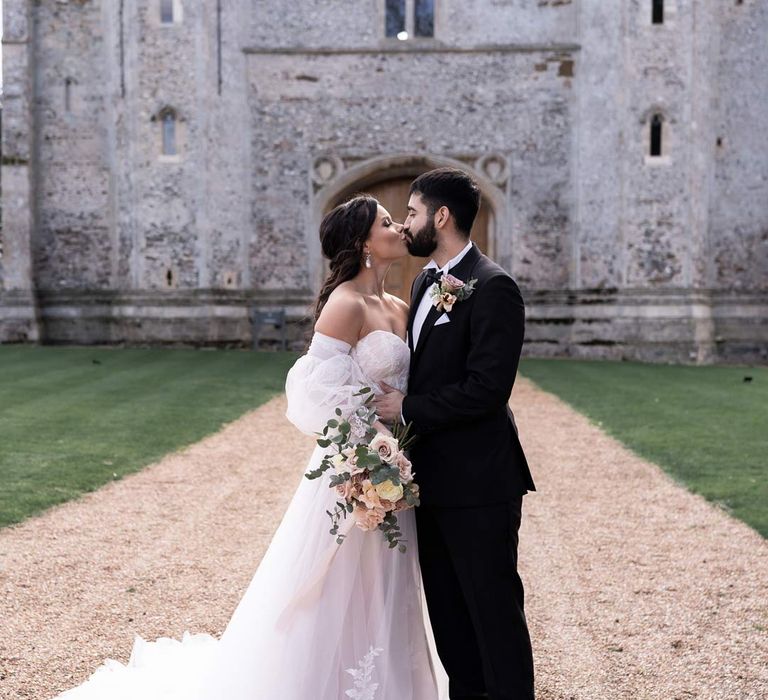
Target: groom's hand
[[389, 405]]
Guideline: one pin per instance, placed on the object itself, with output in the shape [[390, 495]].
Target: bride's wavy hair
[[343, 233]]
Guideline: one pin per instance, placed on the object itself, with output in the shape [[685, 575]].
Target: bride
[[319, 621]]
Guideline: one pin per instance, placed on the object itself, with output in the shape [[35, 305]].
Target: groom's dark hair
[[451, 188]]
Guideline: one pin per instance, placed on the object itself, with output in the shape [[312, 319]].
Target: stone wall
[[514, 105], [18, 316], [739, 199], [547, 102]]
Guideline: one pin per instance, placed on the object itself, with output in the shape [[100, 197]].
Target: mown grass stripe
[[73, 418], [706, 426]]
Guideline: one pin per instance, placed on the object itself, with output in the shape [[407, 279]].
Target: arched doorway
[[393, 195]]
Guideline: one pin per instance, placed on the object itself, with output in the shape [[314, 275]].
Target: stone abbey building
[[165, 163]]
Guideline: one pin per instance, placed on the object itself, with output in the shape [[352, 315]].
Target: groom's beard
[[423, 243]]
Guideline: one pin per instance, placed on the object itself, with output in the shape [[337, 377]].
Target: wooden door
[[393, 195]]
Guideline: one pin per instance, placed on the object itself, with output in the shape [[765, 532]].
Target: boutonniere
[[448, 290]]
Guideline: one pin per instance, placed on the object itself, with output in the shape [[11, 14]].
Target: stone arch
[[331, 181]]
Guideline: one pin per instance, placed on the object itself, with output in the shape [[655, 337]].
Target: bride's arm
[[327, 377]]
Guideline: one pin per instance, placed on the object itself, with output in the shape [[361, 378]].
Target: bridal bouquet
[[371, 474]]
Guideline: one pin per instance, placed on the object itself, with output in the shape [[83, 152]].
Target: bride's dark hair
[[343, 233]]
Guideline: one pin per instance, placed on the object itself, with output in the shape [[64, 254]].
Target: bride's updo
[[343, 233]]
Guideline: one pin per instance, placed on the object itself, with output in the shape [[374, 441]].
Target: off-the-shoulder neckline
[[360, 340]]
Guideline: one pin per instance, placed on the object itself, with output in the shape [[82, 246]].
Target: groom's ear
[[441, 217]]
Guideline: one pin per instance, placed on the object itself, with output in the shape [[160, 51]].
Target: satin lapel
[[419, 291], [461, 271]]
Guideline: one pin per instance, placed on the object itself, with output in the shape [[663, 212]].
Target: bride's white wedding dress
[[314, 609]]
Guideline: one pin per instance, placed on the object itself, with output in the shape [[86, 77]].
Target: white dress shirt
[[426, 302]]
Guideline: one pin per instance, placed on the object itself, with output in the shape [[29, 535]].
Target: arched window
[[168, 126], [166, 11], [657, 11], [657, 129]]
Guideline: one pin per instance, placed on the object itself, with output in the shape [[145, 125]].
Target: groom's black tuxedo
[[461, 376], [472, 473]]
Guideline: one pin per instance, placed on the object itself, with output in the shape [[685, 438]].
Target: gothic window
[[395, 19], [168, 126], [657, 130], [166, 11], [425, 18], [657, 12], [409, 18]]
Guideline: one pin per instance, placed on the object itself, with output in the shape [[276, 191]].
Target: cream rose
[[445, 301], [389, 490], [386, 446]]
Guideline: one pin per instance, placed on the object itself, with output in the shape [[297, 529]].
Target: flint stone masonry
[[279, 114]]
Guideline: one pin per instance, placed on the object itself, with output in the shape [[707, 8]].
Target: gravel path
[[636, 588]]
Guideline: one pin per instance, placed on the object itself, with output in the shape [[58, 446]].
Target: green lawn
[[74, 418], [705, 425]]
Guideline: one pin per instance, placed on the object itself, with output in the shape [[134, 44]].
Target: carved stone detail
[[325, 168], [495, 167]]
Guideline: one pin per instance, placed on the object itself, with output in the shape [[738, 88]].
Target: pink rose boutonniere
[[450, 290]]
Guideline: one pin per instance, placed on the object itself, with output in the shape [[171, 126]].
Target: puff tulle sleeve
[[324, 379]]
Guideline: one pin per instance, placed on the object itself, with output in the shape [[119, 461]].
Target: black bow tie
[[433, 275]]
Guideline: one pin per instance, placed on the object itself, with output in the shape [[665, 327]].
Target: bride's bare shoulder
[[343, 315], [398, 304]]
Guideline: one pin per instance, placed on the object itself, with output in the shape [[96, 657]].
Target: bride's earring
[[368, 260]]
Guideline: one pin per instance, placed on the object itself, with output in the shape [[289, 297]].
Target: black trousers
[[475, 599]]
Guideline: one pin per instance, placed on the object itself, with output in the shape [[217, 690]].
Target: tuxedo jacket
[[467, 451]]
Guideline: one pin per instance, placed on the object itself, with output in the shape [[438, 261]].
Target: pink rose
[[402, 504], [345, 490], [453, 283], [404, 465], [368, 495], [386, 446], [351, 464], [369, 519], [388, 505]]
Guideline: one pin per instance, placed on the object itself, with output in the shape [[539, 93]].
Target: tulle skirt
[[319, 621]]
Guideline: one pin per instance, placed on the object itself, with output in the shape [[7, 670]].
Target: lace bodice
[[383, 357], [332, 372]]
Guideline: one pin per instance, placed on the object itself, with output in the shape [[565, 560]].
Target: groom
[[465, 346]]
